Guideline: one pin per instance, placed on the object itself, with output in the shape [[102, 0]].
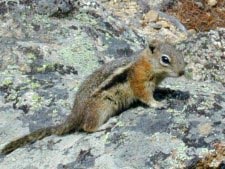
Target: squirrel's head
[[166, 59]]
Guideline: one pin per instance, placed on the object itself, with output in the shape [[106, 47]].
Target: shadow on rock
[[163, 93]]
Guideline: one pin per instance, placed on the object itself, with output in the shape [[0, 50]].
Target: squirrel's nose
[[181, 73]]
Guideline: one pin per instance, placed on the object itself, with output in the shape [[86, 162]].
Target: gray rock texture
[[48, 48]]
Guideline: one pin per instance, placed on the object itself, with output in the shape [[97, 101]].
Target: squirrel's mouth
[[177, 74]]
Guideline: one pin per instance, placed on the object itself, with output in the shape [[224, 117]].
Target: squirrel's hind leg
[[96, 114]]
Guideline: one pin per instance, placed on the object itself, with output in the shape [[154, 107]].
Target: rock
[[199, 4], [54, 7], [207, 63], [164, 24], [159, 4], [204, 129], [213, 159], [212, 3], [191, 32], [174, 21], [151, 16], [155, 26], [133, 16]]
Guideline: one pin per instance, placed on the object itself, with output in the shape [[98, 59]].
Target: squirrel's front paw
[[158, 105]]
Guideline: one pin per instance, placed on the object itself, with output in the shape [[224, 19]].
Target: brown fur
[[141, 74], [112, 88]]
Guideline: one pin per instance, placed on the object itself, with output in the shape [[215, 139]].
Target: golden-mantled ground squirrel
[[112, 88]]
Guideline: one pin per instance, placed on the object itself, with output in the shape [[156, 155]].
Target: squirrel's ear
[[153, 44]]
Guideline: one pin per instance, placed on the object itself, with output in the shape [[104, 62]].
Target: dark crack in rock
[[84, 160]]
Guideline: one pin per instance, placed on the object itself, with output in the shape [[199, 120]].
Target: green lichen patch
[[80, 54]]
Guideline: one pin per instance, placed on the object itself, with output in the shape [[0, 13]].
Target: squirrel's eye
[[165, 59]]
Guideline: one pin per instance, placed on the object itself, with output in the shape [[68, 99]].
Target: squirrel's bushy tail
[[30, 138], [38, 135]]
